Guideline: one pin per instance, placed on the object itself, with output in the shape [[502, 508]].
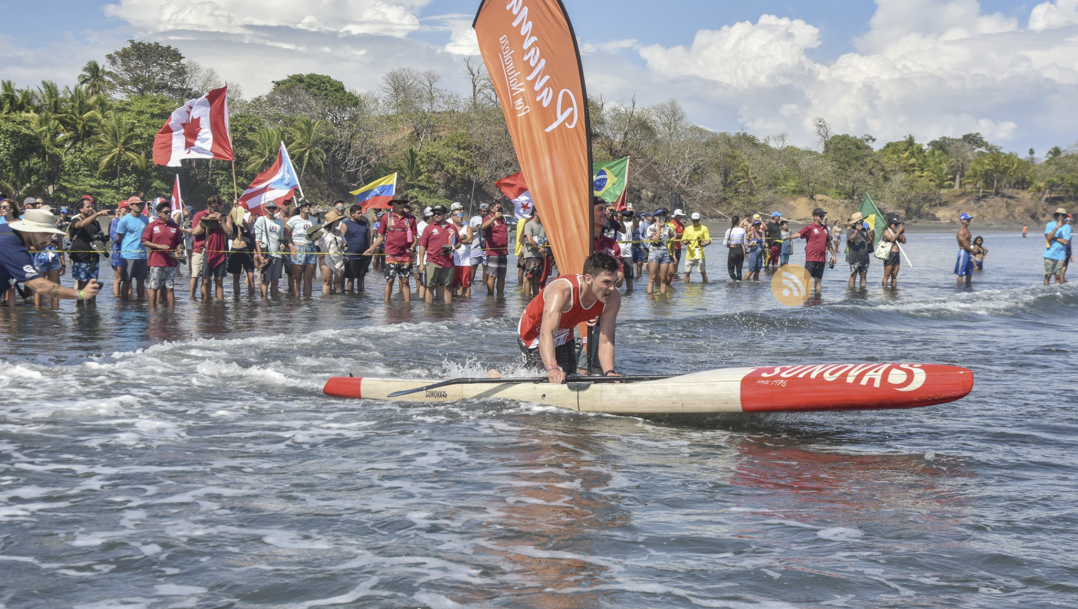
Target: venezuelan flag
[[378, 193]]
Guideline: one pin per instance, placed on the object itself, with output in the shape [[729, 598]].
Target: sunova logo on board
[[900, 377]]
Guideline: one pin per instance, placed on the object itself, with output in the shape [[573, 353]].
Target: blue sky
[[888, 68]]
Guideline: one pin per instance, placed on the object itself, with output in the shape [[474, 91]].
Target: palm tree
[[15, 101], [94, 77], [115, 146], [306, 137], [49, 98], [267, 141], [51, 135], [80, 117]]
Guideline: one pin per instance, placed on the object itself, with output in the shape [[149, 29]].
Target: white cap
[[695, 215], [678, 212], [36, 221], [455, 206], [428, 212]]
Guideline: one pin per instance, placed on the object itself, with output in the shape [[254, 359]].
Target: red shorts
[[462, 276]]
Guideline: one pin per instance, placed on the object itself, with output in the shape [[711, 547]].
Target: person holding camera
[[87, 240], [439, 240], [859, 239], [894, 234], [534, 255], [496, 238], [34, 230]]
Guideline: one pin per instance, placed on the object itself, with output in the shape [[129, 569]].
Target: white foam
[[840, 534], [178, 590]]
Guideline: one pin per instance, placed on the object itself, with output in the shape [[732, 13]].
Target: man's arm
[[48, 289], [557, 295], [607, 323]]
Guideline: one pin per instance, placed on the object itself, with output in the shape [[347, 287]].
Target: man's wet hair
[[599, 263]]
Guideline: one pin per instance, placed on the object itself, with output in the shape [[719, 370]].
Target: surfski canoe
[[766, 389]]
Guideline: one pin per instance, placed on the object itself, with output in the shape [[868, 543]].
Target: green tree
[[115, 147], [50, 133], [94, 78], [266, 142], [325, 89], [19, 146], [81, 117], [306, 144], [147, 68], [450, 163]]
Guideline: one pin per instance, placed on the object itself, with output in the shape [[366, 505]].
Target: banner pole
[[904, 254]]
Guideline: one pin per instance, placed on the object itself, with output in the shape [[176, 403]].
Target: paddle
[[535, 379]]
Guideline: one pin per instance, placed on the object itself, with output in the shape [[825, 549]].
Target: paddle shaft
[[534, 379]]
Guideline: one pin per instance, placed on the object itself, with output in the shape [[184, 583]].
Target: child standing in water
[[979, 252], [787, 244]]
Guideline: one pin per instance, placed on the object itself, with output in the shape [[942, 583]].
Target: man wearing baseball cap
[[1057, 236], [818, 245], [677, 222], [963, 266], [34, 230], [135, 260], [696, 237]]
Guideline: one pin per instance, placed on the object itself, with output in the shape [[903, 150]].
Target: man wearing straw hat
[[35, 230]]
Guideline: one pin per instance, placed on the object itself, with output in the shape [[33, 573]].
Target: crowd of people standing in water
[[439, 250]]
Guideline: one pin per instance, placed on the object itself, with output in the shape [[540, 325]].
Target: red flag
[[196, 130], [517, 191], [177, 202]]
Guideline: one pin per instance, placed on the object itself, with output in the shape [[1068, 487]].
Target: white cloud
[[234, 16], [926, 67], [766, 54], [1050, 15], [254, 42]]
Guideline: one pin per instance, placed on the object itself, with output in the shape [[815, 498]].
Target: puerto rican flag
[[196, 130], [517, 191], [274, 184]]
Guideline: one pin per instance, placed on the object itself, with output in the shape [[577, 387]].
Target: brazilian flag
[[875, 219], [610, 179]]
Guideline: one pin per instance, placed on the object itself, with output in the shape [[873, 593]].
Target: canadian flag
[[276, 183], [517, 191], [196, 130]]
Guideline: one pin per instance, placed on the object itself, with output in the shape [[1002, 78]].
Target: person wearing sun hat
[[1057, 236], [35, 230], [332, 244]]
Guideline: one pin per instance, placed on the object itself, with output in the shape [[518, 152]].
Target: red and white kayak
[[766, 389]]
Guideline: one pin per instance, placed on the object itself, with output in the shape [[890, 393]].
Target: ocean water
[[187, 458]]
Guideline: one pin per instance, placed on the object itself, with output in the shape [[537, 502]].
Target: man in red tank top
[[546, 327]]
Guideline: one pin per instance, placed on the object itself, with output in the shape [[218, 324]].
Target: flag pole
[[284, 151], [904, 254], [235, 187]]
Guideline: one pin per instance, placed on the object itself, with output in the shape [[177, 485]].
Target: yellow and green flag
[[875, 219], [610, 179]]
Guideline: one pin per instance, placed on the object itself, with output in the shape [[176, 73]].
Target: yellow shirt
[[692, 241]]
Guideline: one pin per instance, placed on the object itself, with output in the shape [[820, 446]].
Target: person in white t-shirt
[[734, 240], [462, 253]]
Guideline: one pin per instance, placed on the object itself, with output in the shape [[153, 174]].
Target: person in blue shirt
[[34, 230], [136, 264], [1057, 235]]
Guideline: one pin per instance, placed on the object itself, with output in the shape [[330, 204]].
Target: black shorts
[[356, 267], [628, 264], [396, 270], [815, 269], [533, 268], [240, 261], [565, 356]]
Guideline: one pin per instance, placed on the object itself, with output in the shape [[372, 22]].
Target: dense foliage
[[97, 138]]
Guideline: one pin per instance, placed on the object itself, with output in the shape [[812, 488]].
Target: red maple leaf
[[190, 133]]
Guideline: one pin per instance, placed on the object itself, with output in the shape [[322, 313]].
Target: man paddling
[[546, 327]]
